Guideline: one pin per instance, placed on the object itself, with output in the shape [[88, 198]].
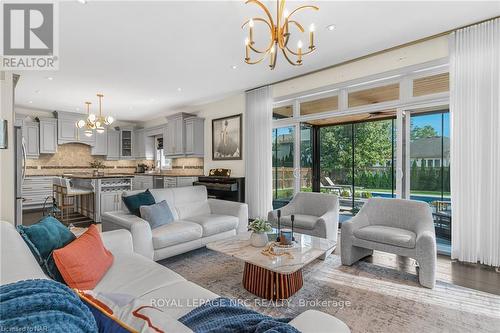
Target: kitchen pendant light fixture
[[94, 122], [279, 35]]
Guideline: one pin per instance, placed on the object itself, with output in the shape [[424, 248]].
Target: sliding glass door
[[430, 169], [283, 165]]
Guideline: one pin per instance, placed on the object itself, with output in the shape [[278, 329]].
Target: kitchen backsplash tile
[[75, 158]]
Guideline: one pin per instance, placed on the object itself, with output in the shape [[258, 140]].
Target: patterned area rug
[[368, 298]]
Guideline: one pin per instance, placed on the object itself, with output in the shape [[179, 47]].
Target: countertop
[[122, 175], [90, 176], [165, 175]]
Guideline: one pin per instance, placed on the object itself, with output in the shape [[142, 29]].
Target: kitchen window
[[161, 163]]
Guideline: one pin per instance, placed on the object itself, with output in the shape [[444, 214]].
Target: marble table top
[[308, 249]]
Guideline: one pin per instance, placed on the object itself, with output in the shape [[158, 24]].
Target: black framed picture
[[227, 138]]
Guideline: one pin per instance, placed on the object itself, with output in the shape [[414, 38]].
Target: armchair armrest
[[358, 221], [140, 229], [118, 241], [288, 209], [232, 208], [330, 221]]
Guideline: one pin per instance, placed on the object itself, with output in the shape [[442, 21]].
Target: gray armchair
[[402, 227], [316, 214]]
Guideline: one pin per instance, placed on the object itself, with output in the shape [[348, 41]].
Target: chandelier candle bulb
[[247, 49], [299, 47], [251, 24], [311, 37]]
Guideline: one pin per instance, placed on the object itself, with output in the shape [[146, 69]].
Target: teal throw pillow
[[135, 201], [42, 238]]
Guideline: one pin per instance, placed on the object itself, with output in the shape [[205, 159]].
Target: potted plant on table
[[259, 228]]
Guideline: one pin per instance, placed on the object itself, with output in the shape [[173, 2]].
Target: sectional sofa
[[142, 278], [197, 221]]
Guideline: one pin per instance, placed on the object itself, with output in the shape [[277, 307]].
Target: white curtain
[[258, 158], [475, 143]]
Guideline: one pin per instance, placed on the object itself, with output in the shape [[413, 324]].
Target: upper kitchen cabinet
[[143, 145], [101, 144], [183, 135], [195, 136], [30, 130], [113, 144], [48, 135], [67, 132], [126, 143]]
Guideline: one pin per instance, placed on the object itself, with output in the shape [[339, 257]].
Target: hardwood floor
[[474, 276]]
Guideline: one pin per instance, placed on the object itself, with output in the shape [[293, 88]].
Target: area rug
[[368, 298]]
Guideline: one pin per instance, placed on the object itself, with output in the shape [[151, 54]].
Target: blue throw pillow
[[157, 214], [42, 238], [135, 201]]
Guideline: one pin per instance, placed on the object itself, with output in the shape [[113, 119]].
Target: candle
[[311, 36], [247, 49], [251, 24], [299, 46]]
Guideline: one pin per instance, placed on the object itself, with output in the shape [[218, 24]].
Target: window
[[161, 163], [431, 84], [429, 163], [283, 112], [319, 105], [374, 95], [437, 163]]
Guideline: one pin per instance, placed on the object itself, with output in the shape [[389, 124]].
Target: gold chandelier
[[94, 122], [279, 35]]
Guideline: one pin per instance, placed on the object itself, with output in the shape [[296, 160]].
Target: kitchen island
[[107, 190]]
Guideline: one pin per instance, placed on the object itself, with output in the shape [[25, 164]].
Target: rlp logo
[[28, 29]]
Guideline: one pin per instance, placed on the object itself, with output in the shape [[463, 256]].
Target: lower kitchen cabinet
[[35, 191], [142, 183], [110, 201]]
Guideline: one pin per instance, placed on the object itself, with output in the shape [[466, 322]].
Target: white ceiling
[[139, 53]]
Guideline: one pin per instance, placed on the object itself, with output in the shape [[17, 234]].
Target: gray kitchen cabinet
[[139, 145], [183, 136], [126, 143], [101, 144], [178, 181], [48, 135], [113, 145], [67, 132], [110, 202], [149, 147], [31, 137], [142, 183], [35, 190], [195, 137]]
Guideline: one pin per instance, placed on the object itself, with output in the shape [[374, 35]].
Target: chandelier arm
[[257, 61], [299, 26], [264, 8], [288, 59], [257, 19], [296, 53], [300, 8]]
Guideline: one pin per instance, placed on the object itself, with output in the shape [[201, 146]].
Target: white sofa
[[197, 221], [134, 275]]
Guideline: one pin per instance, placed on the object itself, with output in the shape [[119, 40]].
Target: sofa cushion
[[133, 202], [157, 214], [176, 232], [135, 275], [214, 223], [387, 235], [191, 201], [178, 299], [301, 221]]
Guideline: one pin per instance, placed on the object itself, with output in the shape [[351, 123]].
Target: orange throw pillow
[[83, 262]]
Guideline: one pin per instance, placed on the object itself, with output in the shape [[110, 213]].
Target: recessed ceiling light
[[179, 89], [83, 2], [31, 102], [152, 100], [330, 27], [234, 66], [50, 78]]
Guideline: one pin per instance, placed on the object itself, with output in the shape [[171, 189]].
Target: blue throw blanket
[[43, 306], [223, 315]]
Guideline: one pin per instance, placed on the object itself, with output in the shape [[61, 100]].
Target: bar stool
[[72, 199]]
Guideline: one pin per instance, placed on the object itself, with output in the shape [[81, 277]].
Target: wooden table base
[[271, 285]]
